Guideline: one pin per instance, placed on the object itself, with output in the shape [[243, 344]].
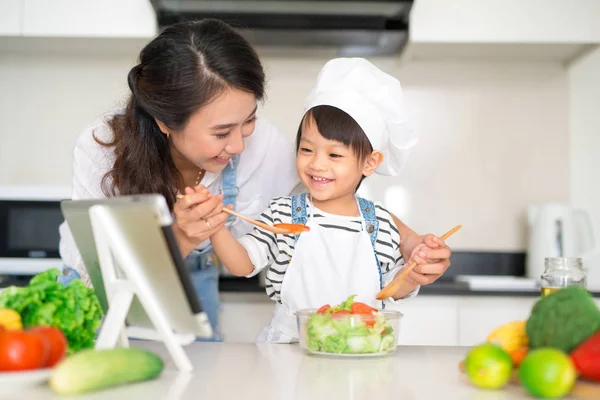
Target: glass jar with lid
[[561, 272]]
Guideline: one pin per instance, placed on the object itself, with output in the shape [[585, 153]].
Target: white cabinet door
[[11, 17], [429, 321], [504, 21], [479, 316], [89, 18], [242, 322]]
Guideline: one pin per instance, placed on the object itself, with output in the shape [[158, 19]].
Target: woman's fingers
[[206, 227], [192, 199], [217, 221], [210, 207]]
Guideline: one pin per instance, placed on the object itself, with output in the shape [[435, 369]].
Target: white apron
[[327, 266]]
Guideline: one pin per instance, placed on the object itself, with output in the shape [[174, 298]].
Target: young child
[[354, 126]]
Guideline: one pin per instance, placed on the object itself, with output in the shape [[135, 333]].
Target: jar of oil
[[561, 272]]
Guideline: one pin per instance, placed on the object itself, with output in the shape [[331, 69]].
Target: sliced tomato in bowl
[[362, 308], [323, 309], [366, 311]]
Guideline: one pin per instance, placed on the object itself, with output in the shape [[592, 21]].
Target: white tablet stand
[[124, 277]]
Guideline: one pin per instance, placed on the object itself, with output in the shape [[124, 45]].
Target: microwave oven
[[29, 221]]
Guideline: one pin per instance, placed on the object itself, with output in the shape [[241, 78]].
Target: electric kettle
[[556, 230]]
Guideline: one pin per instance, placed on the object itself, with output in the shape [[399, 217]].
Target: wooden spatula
[[394, 285], [276, 228], [281, 229]]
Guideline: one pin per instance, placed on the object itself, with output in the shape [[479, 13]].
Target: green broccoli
[[563, 319]]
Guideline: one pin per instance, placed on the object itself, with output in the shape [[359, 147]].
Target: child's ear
[[372, 162]]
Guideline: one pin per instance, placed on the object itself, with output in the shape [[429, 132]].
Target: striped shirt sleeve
[[264, 247]]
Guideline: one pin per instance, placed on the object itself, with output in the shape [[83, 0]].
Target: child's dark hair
[[335, 124]]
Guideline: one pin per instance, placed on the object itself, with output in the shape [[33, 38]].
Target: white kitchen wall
[[584, 127], [494, 137]]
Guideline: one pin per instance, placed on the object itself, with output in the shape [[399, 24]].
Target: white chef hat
[[374, 100]]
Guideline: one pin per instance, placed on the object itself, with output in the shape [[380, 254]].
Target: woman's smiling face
[[216, 132]]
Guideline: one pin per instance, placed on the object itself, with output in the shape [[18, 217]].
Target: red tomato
[[366, 310], [341, 314], [362, 308], [22, 350], [56, 340], [369, 321], [323, 309]]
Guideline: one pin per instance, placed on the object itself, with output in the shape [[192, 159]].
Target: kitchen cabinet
[[78, 19], [429, 320], [241, 321], [11, 17], [507, 29], [477, 319], [90, 18]]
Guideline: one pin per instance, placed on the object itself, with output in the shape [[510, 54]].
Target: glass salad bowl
[[350, 329]]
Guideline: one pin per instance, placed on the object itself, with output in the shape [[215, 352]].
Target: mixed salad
[[350, 327]]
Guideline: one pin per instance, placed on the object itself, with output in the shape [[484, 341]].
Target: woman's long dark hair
[[179, 71]]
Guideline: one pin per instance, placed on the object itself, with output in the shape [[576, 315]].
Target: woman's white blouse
[[266, 169]]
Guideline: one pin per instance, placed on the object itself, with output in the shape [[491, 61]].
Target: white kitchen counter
[[281, 372]]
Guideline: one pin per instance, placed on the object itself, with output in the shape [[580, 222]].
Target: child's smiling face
[[328, 168]]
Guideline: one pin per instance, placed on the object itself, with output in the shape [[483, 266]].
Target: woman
[[190, 121]]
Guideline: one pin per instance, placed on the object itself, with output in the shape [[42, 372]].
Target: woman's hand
[[433, 259], [198, 215]]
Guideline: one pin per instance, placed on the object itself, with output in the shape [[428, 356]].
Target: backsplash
[[479, 162]]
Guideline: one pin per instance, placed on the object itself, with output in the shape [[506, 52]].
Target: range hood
[[351, 27]]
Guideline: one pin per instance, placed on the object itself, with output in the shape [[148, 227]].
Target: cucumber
[[91, 370]]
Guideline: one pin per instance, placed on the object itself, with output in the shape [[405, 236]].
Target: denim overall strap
[[229, 187], [367, 210], [230, 191], [68, 274], [299, 210]]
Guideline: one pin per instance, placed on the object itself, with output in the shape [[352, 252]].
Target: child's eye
[[251, 120], [222, 135], [305, 150], [333, 155]]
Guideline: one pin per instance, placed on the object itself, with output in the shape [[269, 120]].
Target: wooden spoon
[[395, 284], [277, 228]]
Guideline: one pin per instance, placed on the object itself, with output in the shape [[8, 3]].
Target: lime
[[488, 366], [547, 373]]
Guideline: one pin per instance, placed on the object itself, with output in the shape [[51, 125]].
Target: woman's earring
[[168, 134]]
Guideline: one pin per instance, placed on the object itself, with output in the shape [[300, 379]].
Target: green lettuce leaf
[[334, 344]]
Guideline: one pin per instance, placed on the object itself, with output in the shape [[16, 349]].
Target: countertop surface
[[279, 372]]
